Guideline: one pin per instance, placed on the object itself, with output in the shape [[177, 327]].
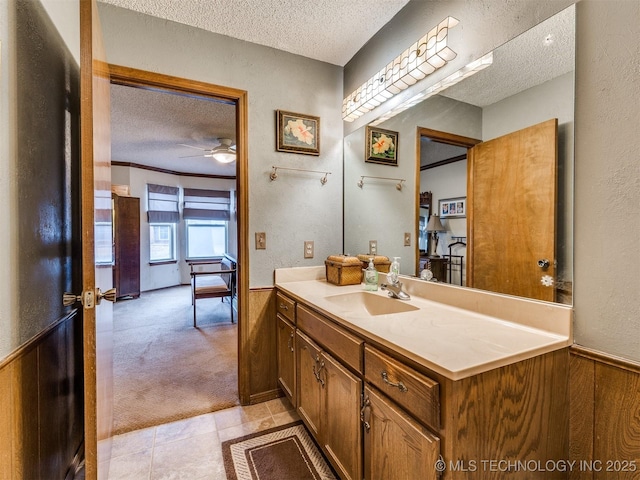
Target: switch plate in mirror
[[407, 239], [373, 247], [261, 241]]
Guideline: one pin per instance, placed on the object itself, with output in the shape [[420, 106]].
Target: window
[[206, 213], [206, 238], [162, 215], [162, 242]]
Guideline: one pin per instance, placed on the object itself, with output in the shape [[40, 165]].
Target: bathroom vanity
[[453, 383]]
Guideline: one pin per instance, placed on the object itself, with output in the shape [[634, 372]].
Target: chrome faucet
[[395, 290]]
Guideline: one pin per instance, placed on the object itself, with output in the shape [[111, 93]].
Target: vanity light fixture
[[465, 72], [422, 58], [398, 185]]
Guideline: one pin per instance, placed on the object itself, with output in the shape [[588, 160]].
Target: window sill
[[195, 261], [166, 262]]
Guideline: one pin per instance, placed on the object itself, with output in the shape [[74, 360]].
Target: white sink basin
[[369, 303]]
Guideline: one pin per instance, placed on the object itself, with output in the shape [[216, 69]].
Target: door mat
[[285, 452]]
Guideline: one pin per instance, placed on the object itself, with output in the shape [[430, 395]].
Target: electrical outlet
[[373, 247], [308, 249], [261, 240], [407, 239]]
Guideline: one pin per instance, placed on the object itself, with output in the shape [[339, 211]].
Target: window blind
[[162, 204], [202, 204]]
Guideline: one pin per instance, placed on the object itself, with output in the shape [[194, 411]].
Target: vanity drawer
[[286, 307], [415, 392], [338, 341]]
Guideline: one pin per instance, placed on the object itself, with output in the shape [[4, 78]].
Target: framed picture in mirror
[[452, 207], [381, 146], [297, 133]]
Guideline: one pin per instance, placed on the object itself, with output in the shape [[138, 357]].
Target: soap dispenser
[[371, 277], [394, 270]]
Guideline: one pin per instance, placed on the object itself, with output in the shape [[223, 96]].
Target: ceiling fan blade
[[191, 146], [191, 156]]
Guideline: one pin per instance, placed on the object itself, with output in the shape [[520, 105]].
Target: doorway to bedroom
[[165, 132]]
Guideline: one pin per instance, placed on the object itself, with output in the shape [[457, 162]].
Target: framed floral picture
[[453, 207], [297, 133], [381, 146]]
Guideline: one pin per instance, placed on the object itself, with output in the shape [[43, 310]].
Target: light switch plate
[[373, 247], [261, 240], [308, 249], [407, 239]]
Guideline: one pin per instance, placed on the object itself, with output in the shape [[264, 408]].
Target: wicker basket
[[343, 270], [381, 262]]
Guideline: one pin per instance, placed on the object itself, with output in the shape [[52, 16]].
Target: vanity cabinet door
[[286, 358], [395, 446], [310, 364], [341, 430]]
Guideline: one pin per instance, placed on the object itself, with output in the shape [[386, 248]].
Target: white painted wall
[[8, 164], [607, 180], [160, 276], [447, 181], [296, 207]]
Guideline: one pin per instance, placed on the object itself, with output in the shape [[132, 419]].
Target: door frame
[[133, 77], [442, 137]]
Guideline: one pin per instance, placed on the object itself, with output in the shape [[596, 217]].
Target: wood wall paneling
[[582, 407], [617, 421], [605, 416], [262, 344], [6, 422], [24, 388]]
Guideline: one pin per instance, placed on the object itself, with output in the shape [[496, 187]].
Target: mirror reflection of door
[[512, 191], [510, 225]]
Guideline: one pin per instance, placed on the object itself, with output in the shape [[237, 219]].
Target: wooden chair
[[213, 284]]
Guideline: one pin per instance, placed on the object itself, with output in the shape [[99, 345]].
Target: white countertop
[[449, 340]]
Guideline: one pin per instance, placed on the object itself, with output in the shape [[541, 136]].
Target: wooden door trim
[[451, 139], [128, 76]]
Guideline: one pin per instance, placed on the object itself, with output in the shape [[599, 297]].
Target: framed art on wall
[[297, 133], [381, 146], [453, 207]]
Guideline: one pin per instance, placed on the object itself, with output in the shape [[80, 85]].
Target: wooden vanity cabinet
[[328, 393], [286, 358], [285, 350], [379, 415], [395, 445]]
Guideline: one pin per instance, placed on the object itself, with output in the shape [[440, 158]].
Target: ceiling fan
[[225, 152]]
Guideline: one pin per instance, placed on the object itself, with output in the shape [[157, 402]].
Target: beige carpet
[[280, 453], [166, 370]]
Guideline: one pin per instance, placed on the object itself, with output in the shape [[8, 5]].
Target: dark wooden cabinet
[[126, 237]]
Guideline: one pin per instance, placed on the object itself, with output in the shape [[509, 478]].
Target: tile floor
[[191, 448]]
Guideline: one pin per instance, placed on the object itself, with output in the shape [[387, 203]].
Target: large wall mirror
[[529, 83]]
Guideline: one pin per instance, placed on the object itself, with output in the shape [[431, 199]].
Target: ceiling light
[[419, 60], [223, 153]]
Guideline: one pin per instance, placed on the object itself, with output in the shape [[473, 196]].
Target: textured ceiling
[[542, 53], [327, 30], [147, 128]]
